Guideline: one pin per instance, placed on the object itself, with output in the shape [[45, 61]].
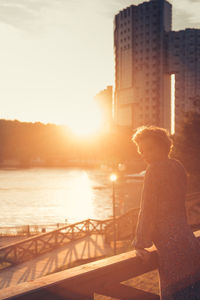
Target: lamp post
[[113, 178]]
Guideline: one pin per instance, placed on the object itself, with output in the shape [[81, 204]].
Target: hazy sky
[[55, 55]]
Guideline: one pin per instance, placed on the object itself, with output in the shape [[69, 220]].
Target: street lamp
[[113, 178]]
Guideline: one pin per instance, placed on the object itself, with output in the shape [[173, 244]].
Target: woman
[[162, 218]]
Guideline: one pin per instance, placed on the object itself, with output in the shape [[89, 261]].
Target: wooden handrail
[[103, 277], [83, 281]]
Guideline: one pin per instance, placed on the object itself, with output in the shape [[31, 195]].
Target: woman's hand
[[143, 254]]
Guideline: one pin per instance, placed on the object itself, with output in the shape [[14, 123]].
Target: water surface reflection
[[49, 196]]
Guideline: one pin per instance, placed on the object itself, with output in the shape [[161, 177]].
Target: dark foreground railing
[[103, 277]]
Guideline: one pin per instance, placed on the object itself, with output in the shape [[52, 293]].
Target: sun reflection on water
[[78, 201], [51, 196]]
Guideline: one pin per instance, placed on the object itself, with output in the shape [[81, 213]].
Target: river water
[[49, 196]]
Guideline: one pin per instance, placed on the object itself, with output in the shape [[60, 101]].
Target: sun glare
[[80, 206], [87, 122]]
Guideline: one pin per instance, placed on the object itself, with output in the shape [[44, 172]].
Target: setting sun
[[87, 122]]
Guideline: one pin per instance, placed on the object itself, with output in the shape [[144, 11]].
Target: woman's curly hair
[[157, 134]]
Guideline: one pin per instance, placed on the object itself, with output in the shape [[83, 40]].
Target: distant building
[[104, 99], [184, 62], [142, 81]]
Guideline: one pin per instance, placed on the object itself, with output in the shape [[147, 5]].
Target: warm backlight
[[87, 122], [77, 197]]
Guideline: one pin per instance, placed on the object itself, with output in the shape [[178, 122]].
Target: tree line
[[56, 146]]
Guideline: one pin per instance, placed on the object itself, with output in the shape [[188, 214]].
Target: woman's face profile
[[149, 150]]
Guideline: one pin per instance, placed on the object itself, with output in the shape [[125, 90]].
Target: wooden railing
[[105, 277], [37, 245]]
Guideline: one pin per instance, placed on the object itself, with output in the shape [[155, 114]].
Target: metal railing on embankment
[[125, 226], [37, 245]]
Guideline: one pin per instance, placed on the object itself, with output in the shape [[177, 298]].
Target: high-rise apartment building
[[142, 81], [184, 63]]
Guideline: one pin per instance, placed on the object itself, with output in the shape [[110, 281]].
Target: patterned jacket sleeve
[[148, 211]]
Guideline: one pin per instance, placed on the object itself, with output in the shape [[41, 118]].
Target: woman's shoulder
[[158, 166], [166, 167], [178, 167], [165, 163]]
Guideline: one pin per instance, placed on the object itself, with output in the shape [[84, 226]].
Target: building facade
[[142, 80], [184, 63]]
